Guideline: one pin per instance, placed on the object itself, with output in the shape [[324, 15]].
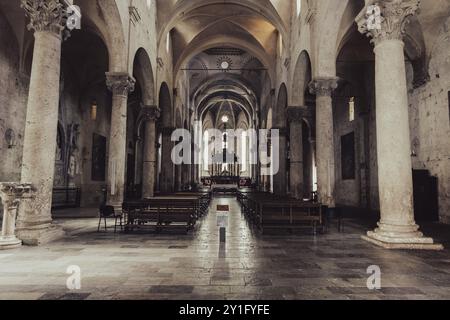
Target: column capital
[[120, 83], [12, 192], [45, 15], [323, 86], [150, 112], [386, 19], [298, 113]]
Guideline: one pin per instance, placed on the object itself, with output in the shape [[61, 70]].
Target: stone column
[[34, 223], [295, 117], [397, 228], [150, 114], [279, 179], [120, 84], [11, 195], [167, 167], [323, 88]]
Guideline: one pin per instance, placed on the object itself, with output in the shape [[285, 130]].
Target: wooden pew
[[289, 215], [268, 211], [162, 212]]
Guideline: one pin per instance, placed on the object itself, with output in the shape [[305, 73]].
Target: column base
[[415, 242], [36, 235], [7, 243]]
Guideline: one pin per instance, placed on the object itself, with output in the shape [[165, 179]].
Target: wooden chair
[[108, 212]]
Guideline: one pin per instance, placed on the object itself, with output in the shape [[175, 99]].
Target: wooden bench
[[268, 211], [162, 213], [289, 215]]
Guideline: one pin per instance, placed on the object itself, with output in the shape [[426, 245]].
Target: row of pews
[[178, 211], [268, 211]]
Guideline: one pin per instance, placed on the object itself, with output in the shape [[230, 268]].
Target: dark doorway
[[426, 201]]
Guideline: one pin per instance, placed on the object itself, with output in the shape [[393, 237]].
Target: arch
[[199, 45], [165, 105], [269, 121], [111, 29], [178, 119], [143, 73], [224, 79], [217, 98], [280, 111], [301, 79], [328, 40], [263, 8]]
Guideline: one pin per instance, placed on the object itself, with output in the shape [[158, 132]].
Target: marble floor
[[197, 267]]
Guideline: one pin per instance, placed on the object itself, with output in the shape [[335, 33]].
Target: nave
[[195, 266]]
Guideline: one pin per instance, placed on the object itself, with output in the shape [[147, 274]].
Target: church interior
[[205, 149]]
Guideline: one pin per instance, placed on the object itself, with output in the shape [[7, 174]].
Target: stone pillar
[[295, 117], [397, 228], [150, 114], [323, 88], [167, 166], [11, 195], [279, 178], [34, 223], [120, 84]]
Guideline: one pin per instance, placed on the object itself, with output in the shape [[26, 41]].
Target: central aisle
[[197, 267], [239, 235]]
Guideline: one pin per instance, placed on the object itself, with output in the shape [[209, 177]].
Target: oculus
[[224, 63]]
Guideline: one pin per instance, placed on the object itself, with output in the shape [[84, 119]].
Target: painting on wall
[[348, 160], [98, 158]]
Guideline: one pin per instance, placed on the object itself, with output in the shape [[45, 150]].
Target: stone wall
[[13, 97], [430, 117], [363, 190]]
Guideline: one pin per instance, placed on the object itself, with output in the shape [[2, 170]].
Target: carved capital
[[392, 18], [120, 83], [323, 86], [12, 192], [297, 114], [150, 113], [45, 15]]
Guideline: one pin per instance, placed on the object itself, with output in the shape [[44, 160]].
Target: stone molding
[[323, 86], [395, 16], [120, 83]]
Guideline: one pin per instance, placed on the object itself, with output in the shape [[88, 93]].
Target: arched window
[[351, 109], [299, 7], [225, 141], [206, 151], [244, 151]]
